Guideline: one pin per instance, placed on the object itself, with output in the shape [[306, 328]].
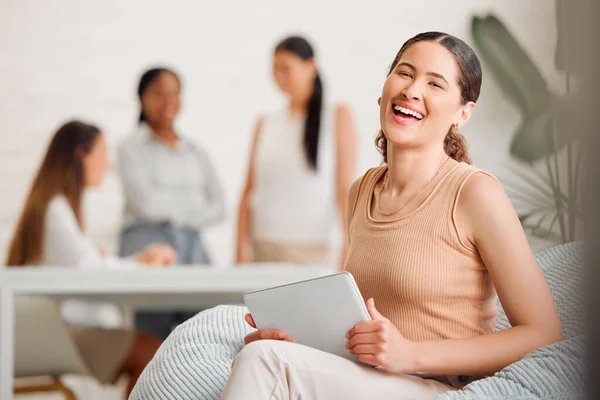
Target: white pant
[[270, 369]]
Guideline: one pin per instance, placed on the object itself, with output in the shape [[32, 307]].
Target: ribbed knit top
[[422, 275]]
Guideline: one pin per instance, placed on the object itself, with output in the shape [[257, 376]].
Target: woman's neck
[[297, 110], [410, 169], [165, 134], [298, 105]]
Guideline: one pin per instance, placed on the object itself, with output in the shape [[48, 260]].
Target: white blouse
[[65, 245], [161, 184]]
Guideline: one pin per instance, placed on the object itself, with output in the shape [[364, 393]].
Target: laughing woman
[[432, 240]]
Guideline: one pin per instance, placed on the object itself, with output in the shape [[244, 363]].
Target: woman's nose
[[412, 92]]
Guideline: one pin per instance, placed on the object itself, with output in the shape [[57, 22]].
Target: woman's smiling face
[[421, 97]]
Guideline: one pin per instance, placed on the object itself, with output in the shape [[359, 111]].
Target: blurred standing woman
[[301, 166], [171, 190]]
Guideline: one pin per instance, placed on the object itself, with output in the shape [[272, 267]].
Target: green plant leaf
[[564, 199], [531, 181], [546, 132], [516, 74], [533, 139], [524, 217], [540, 227]]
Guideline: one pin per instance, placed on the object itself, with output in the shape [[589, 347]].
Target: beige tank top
[[422, 276]]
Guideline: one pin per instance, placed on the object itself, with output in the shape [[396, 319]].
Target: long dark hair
[[469, 82], [300, 47], [61, 173], [147, 78]]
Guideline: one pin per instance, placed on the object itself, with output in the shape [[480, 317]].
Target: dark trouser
[[190, 250], [161, 323]]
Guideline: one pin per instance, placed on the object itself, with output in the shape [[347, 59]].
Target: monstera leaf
[[517, 75], [547, 123], [549, 201], [549, 130], [533, 139]]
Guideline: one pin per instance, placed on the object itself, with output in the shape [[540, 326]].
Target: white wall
[[73, 58]]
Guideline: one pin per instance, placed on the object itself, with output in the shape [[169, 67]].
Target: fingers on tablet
[[266, 334], [251, 337], [250, 320]]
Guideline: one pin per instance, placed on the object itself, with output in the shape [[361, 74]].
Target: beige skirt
[[292, 253], [103, 350]]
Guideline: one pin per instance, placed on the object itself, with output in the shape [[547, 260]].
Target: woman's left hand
[[379, 343]]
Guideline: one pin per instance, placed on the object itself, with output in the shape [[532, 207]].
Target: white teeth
[[408, 111]]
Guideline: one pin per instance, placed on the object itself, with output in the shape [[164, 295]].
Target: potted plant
[[545, 183]]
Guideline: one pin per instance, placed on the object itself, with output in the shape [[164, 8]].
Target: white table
[[179, 287]]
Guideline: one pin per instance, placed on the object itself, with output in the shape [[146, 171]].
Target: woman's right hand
[[157, 254], [262, 334]]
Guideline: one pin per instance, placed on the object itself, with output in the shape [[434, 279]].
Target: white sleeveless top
[[292, 203]]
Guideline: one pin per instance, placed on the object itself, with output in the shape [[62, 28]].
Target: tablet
[[316, 312]]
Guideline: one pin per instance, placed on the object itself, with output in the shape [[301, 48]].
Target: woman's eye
[[406, 74], [435, 85]]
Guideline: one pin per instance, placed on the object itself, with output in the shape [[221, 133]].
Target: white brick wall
[[72, 58]]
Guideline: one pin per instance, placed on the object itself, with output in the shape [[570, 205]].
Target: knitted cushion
[[195, 361]]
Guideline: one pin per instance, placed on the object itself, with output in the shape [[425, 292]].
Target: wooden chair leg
[[55, 386], [68, 393]]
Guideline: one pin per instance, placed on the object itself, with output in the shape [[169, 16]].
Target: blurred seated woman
[[50, 233]]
